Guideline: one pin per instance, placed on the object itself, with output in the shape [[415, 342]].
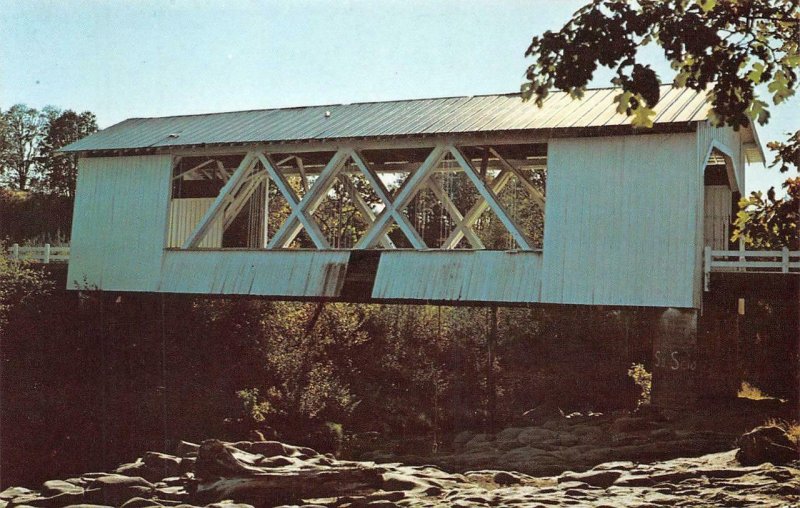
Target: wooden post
[[491, 399], [707, 268], [47, 253], [15, 251], [785, 260], [741, 257]]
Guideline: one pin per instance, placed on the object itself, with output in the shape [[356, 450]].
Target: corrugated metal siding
[[717, 220], [380, 119], [120, 221], [263, 273], [184, 215], [621, 222], [459, 276], [726, 136]]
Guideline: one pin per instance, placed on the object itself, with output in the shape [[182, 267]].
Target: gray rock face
[[768, 443], [267, 474]]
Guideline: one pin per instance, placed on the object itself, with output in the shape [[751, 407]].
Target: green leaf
[[791, 60], [758, 112], [681, 78], [706, 5], [755, 74], [643, 116], [623, 101]]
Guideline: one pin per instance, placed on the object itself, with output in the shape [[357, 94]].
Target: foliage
[[731, 45], [29, 139], [766, 222], [791, 427], [60, 171], [23, 131], [787, 153], [748, 391], [728, 48], [29, 216], [643, 380], [20, 284]]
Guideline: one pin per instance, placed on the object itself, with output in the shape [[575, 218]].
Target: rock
[[175, 493], [630, 424], [543, 413], [137, 468], [163, 464], [55, 487], [269, 448], [276, 462], [505, 478], [215, 459], [479, 441], [768, 443], [509, 434], [12, 492], [139, 502], [536, 436], [84, 505], [187, 465], [187, 449], [462, 438], [115, 489], [662, 434], [301, 477], [602, 479], [508, 445]]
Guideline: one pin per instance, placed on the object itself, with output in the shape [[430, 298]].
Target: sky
[[140, 58]]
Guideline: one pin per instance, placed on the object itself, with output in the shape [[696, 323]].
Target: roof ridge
[[329, 105]]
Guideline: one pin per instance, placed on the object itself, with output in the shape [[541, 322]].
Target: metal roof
[[444, 116]]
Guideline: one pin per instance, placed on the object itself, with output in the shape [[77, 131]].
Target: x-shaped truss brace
[[245, 179]]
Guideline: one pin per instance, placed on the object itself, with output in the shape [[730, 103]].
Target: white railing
[[751, 261], [39, 253]]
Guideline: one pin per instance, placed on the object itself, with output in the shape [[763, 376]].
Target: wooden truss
[[257, 167]]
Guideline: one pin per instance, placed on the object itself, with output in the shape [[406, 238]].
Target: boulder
[[506, 478], [115, 489], [543, 413], [768, 443], [462, 438], [631, 424], [12, 492], [603, 479], [536, 435], [140, 502], [162, 464], [56, 487], [187, 449], [269, 448]]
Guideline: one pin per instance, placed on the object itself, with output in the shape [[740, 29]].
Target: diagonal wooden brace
[[491, 199], [219, 203], [534, 193], [298, 218], [473, 214], [396, 204], [364, 208], [453, 211]]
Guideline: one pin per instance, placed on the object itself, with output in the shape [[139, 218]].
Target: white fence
[[751, 261], [40, 253]]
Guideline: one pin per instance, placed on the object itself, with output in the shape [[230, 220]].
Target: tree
[[24, 127], [59, 171], [728, 48]]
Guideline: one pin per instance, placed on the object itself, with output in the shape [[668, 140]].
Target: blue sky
[[134, 58]]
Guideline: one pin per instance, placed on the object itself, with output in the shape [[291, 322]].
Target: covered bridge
[[482, 199]]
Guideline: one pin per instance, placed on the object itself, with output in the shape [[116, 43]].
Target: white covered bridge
[[471, 199]]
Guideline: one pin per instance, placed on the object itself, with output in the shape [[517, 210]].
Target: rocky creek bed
[[647, 459], [270, 473]]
